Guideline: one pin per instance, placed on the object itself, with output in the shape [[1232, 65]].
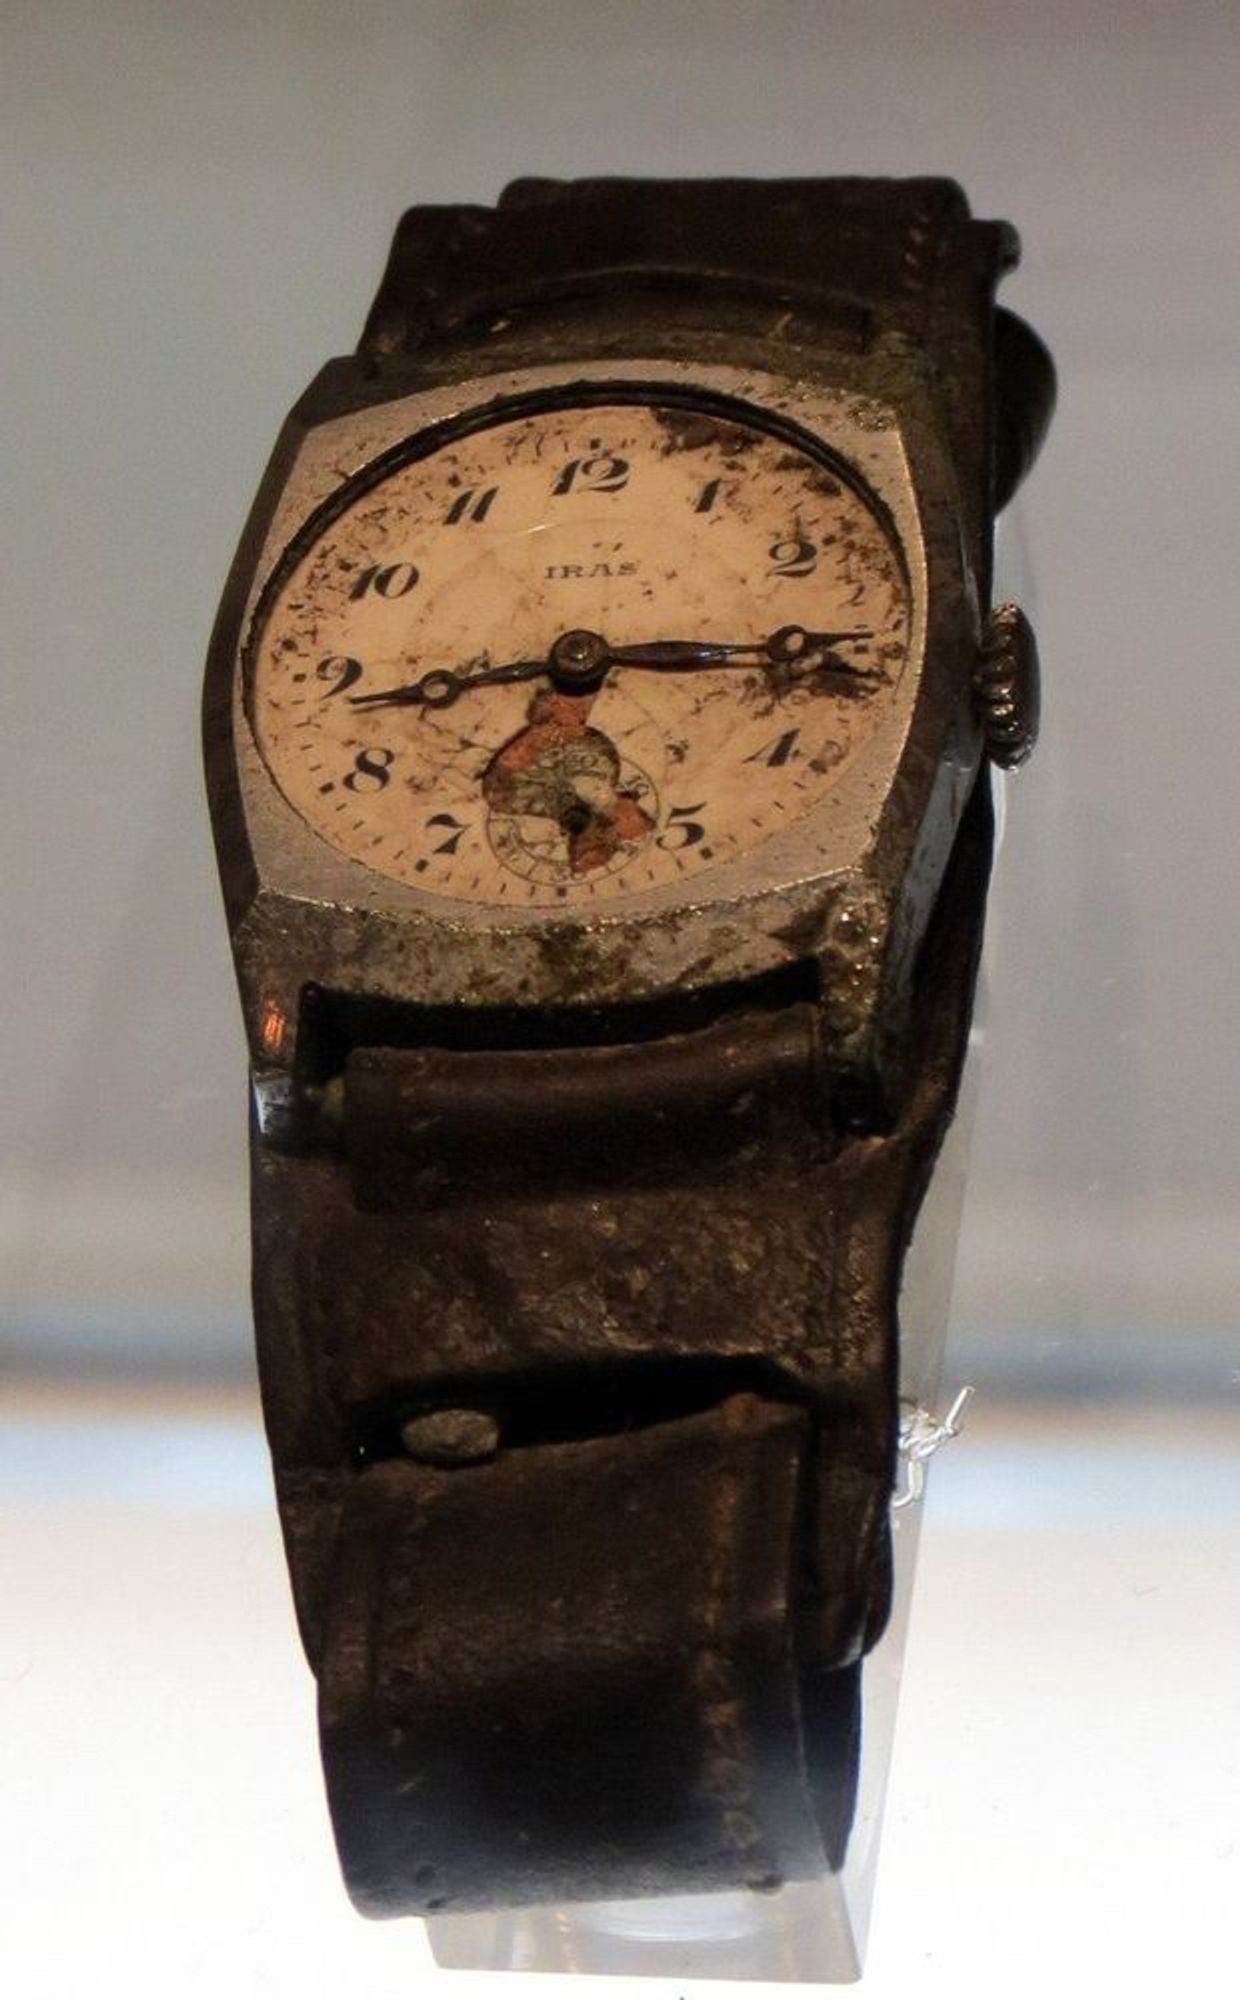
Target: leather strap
[[425, 1127], [878, 254], [577, 1670], [640, 1346], [603, 1640], [862, 258]]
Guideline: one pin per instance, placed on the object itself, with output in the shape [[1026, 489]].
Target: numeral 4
[[779, 751]]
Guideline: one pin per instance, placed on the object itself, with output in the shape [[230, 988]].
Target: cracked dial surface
[[636, 522]]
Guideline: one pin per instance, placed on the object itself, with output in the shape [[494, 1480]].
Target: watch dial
[[578, 654]]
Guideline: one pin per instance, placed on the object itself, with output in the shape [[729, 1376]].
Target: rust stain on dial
[[560, 769]]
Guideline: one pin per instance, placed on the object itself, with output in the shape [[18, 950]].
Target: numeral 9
[[341, 671]]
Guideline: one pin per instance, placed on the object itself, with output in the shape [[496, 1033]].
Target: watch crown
[[1006, 688]]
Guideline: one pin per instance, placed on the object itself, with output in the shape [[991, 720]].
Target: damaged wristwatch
[[597, 724]]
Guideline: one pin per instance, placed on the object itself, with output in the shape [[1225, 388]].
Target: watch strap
[[579, 1362], [639, 1342], [576, 1676], [863, 258], [890, 254]]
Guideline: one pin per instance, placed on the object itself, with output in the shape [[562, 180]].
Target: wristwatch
[[597, 723]]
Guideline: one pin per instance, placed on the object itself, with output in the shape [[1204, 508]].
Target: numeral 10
[[385, 580]]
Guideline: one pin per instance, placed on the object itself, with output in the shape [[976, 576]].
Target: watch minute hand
[[789, 645]]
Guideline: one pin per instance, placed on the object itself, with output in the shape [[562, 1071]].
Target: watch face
[[581, 652]]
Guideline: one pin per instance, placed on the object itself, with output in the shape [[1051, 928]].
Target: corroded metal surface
[[1007, 687], [883, 831]]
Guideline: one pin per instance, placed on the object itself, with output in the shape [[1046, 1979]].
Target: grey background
[[199, 201]]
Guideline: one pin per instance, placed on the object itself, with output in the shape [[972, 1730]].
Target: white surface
[[1063, 1812]]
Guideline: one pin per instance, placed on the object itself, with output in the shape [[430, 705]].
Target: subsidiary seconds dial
[[578, 653]]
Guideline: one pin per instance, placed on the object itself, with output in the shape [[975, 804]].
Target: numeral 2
[[792, 557]]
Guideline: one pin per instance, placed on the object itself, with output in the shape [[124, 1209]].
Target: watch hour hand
[[441, 686]]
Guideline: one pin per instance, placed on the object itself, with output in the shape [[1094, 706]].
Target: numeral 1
[[471, 505]]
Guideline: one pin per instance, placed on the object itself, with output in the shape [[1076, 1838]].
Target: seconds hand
[[581, 660]]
